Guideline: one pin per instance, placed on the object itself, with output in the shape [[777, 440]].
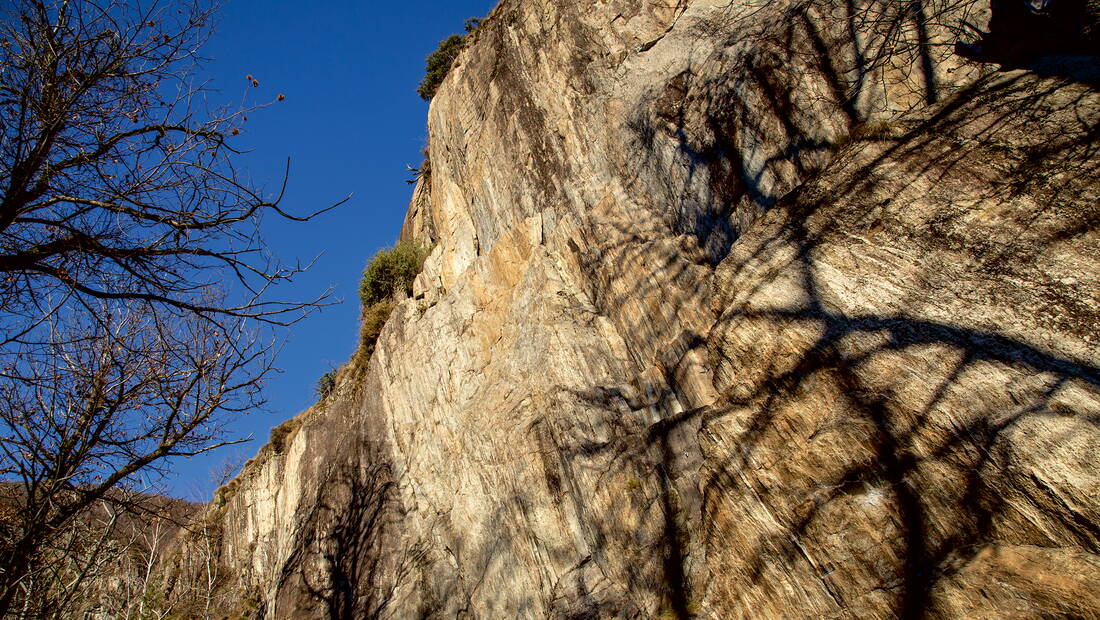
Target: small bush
[[282, 432], [388, 271], [326, 384], [391, 270], [439, 64], [374, 319]]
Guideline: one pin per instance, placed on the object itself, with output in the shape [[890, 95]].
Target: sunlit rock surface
[[735, 310]]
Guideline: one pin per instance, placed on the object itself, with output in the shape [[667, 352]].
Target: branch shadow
[[346, 562], [1018, 149]]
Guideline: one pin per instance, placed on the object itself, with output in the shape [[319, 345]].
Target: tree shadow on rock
[[348, 560], [943, 482]]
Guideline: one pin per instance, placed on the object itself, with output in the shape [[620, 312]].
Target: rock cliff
[[736, 309]]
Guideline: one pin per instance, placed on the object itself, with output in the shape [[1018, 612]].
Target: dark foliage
[[439, 64], [326, 384]]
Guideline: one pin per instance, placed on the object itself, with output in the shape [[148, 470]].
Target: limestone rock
[[735, 309]]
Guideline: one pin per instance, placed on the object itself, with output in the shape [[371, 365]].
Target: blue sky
[[350, 123]]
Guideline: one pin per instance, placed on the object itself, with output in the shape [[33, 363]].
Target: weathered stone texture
[[735, 309]]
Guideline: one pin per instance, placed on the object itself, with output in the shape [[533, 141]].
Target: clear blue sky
[[350, 123]]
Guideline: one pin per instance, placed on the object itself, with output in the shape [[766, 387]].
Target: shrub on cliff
[[440, 61], [391, 270], [439, 64], [326, 384], [374, 319], [281, 433]]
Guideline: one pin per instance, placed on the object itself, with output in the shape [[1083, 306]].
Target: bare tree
[[134, 309], [76, 555], [149, 543]]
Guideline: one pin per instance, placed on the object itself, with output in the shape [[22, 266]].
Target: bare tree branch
[[133, 277]]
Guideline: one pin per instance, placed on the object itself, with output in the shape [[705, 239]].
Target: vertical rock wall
[[735, 309]]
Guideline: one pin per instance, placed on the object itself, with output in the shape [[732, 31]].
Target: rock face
[[735, 310]]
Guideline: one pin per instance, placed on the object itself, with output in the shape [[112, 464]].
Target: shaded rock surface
[[735, 309]]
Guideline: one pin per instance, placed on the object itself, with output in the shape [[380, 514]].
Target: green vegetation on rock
[[439, 64], [326, 384], [374, 319], [440, 61], [391, 270]]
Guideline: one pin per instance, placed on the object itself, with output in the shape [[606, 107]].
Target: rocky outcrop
[[735, 309]]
